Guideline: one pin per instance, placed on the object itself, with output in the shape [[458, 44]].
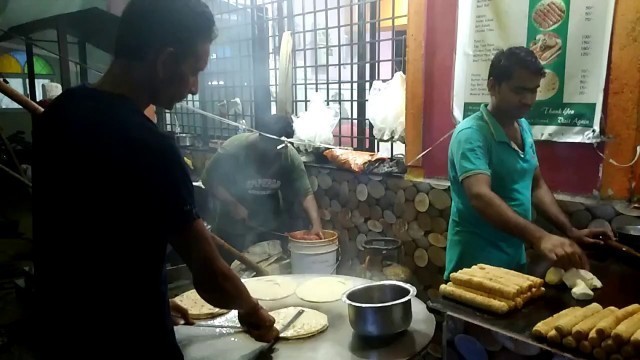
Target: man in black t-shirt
[[112, 192]]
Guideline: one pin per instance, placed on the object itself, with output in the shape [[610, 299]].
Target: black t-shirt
[[110, 191]]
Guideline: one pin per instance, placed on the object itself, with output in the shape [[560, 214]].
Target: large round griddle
[[337, 342]]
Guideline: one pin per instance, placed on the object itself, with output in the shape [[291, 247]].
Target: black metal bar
[[361, 91], [63, 52], [260, 52], [31, 70], [82, 56]]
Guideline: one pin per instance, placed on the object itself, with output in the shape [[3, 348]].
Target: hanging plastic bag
[[386, 108], [316, 125]]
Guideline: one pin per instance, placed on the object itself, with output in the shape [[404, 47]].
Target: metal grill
[[340, 48]]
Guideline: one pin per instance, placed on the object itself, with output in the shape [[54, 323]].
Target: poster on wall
[[571, 39]]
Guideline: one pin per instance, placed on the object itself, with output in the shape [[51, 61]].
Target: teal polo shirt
[[480, 146]]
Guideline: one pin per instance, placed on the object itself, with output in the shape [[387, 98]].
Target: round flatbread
[[323, 289], [310, 323], [549, 85], [270, 288], [198, 308]]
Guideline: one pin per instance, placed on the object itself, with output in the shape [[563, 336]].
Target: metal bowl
[[380, 309]]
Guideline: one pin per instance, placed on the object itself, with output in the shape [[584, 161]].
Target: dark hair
[[277, 125], [150, 26], [505, 63]]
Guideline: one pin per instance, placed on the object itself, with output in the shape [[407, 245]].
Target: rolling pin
[[260, 271], [20, 99]]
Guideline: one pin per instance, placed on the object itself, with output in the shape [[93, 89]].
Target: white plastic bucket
[[314, 257]]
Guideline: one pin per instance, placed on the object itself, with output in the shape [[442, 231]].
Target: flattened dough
[[311, 322], [270, 288], [198, 308], [323, 289]]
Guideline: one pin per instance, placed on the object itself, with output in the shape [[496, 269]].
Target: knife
[[273, 342], [217, 326]]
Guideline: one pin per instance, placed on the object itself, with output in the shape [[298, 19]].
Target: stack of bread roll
[[492, 289], [609, 333]]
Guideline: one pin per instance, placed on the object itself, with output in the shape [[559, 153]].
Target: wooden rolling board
[[337, 342]]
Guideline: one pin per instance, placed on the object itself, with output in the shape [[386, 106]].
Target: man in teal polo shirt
[[496, 180]]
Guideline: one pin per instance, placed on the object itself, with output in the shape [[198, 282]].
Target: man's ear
[[492, 86], [164, 62]]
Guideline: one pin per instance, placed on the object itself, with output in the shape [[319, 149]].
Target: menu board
[[571, 39]]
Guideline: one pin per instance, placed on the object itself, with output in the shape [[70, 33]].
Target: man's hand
[[179, 314], [317, 232], [259, 324], [591, 236], [239, 212], [563, 252]]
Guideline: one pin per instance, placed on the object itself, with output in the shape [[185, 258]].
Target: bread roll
[[609, 346], [569, 342], [484, 285], [585, 347], [481, 274], [606, 326], [599, 354], [544, 327], [536, 281], [512, 304], [628, 351], [537, 292], [623, 332], [564, 326], [635, 340], [594, 339], [554, 338], [524, 284], [582, 329], [474, 300]]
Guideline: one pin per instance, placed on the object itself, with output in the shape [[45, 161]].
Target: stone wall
[[360, 207]]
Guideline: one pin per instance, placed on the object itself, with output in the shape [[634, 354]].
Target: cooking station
[[338, 341], [618, 274]]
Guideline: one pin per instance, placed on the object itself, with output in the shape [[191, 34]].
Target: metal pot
[[380, 309], [629, 236], [185, 139]]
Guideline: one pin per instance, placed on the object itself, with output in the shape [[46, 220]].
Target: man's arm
[[213, 279], [311, 208], [298, 185]]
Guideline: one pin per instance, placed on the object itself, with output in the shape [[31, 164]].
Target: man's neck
[[502, 119], [126, 78]]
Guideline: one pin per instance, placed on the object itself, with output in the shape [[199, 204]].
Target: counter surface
[[337, 342], [621, 287]]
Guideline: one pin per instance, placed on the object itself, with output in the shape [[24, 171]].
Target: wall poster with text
[[571, 39]]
